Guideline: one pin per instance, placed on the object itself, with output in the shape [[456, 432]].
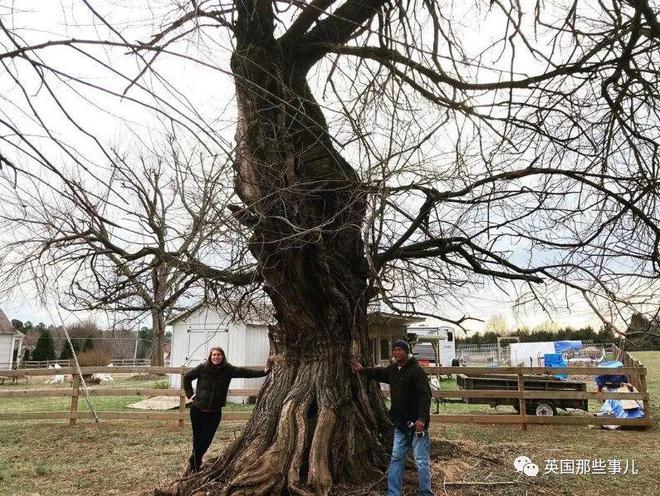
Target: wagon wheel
[[543, 409], [546, 408]]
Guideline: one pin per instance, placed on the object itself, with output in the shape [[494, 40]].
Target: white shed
[[10, 343], [197, 330]]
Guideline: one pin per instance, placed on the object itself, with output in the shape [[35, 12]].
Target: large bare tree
[[127, 244], [401, 151]]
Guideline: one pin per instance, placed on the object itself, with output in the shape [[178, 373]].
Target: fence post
[[182, 402], [521, 401], [629, 361], [74, 399], [642, 389], [638, 375]]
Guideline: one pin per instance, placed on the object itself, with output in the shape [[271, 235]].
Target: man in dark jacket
[[411, 402], [213, 378]]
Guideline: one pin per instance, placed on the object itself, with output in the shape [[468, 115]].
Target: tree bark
[[157, 337], [316, 424]]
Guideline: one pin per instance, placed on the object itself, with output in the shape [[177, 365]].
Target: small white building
[[433, 343], [10, 343], [197, 330], [384, 328]]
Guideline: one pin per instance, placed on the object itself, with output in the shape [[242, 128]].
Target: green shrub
[[45, 348], [67, 352]]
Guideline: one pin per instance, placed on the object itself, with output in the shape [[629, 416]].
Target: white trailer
[[433, 344]]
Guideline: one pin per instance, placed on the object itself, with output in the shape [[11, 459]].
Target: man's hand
[[419, 426], [356, 366]]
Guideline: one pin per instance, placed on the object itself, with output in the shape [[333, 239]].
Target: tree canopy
[[527, 153]]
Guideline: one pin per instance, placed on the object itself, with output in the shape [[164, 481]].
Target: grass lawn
[[132, 457]]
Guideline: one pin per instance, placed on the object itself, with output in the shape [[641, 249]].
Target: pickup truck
[[509, 382]]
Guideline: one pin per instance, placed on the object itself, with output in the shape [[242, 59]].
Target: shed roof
[[249, 314], [385, 318], [5, 325]]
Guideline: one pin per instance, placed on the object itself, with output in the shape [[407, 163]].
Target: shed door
[[201, 340]]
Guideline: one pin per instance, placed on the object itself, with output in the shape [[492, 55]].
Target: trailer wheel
[[543, 409]]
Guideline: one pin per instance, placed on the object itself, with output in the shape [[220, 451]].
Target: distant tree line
[[44, 342], [642, 333], [601, 336]]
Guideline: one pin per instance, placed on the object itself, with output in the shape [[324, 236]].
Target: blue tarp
[[561, 346], [555, 360], [614, 408], [610, 364], [624, 409], [601, 380]]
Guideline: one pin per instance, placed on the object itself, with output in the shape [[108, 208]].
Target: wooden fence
[[635, 371], [75, 392], [116, 362], [629, 361]]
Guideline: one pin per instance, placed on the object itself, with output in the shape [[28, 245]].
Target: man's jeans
[[421, 447]]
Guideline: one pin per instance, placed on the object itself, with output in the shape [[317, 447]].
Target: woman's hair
[[217, 348]]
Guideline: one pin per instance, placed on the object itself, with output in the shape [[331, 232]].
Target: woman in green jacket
[[213, 378]]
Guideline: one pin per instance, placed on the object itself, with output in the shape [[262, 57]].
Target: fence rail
[[93, 370], [633, 368], [117, 362]]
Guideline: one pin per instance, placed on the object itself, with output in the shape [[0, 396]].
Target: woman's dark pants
[[204, 425]]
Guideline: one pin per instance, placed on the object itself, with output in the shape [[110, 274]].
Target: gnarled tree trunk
[[316, 423], [313, 427]]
